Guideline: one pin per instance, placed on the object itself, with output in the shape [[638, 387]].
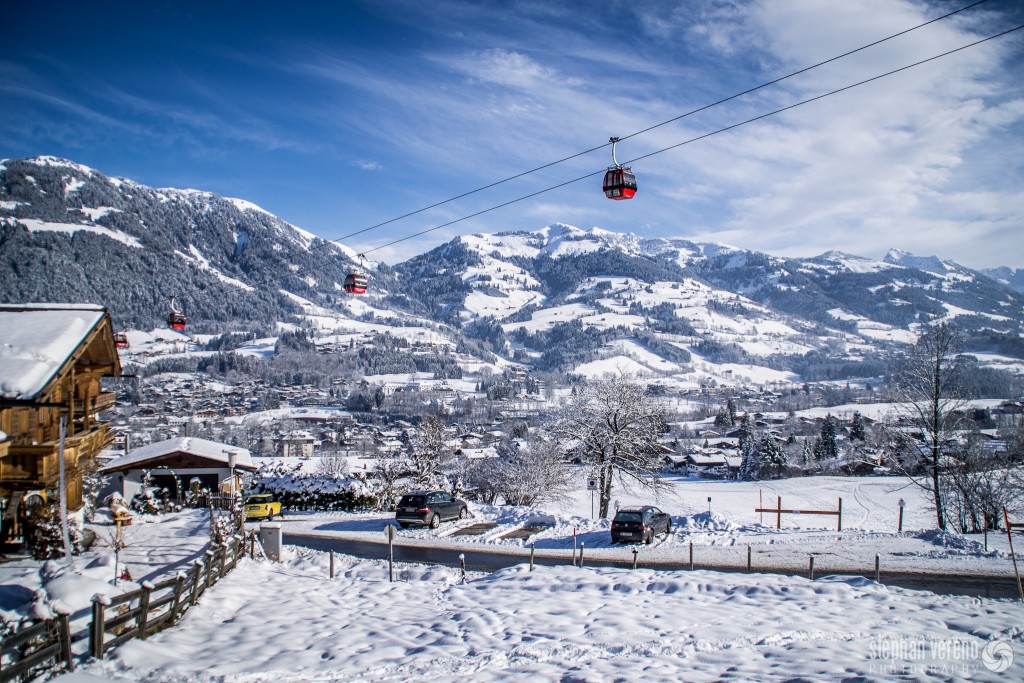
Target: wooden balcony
[[39, 464], [98, 403]]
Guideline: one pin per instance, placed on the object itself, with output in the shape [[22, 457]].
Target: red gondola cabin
[[177, 320], [619, 183], [355, 283], [121, 340]]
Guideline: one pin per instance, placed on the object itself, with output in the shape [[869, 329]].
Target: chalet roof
[[207, 450], [37, 340], [706, 459]]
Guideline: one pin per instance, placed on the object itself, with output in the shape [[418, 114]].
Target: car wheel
[[649, 538], [435, 522], [668, 528], [270, 516], [463, 513]]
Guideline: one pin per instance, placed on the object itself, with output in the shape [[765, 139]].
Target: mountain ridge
[[558, 297]]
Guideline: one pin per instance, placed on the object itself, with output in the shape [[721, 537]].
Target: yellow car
[[262, 505]]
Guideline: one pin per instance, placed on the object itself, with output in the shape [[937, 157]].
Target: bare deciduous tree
[[614, 425], [333, 464], [386, 476], [928, 391], [430, 454], [523, 475]]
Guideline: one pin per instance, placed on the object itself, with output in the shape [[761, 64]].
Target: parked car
[[262, 505], [639, 523], [429, 508]]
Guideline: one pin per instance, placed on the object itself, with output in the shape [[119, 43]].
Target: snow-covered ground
[[289, 621], [720, 537]]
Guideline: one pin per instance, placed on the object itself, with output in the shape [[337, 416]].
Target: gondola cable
[[699, 137], [657, 125]]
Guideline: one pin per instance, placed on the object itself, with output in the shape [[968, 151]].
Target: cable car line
[[700, 137], [657, 125]]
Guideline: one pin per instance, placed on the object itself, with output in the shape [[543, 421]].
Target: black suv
[[429, 508], [639, 523]]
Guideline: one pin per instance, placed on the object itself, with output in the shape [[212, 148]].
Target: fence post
[[778, 515], [691, 556], [810, 571], [332, 563], [634, 557], [179, 583], [462, 565], [748, 559], [64, 634], [210, 557], [147, 589], [223, 560], [840, 515], [197, 570], [533, 547], [878, 569], [582, 544], [99, 605]]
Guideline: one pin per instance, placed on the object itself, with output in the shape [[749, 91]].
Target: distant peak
[[57, 162], [894, 255], [929, 264]]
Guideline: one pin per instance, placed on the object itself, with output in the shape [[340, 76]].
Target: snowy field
[[289, 621], [720, 537]]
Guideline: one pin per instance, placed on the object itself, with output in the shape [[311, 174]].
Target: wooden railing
[[42, 645], [140, 613], [143, 612]]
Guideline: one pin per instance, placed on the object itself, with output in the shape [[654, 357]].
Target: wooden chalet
[[52, 357]]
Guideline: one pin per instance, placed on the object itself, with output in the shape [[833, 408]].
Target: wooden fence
[[137, 614], [779, 511], [146, 610], [43, 644]]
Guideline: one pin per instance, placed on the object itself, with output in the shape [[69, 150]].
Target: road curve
[[491, 560]]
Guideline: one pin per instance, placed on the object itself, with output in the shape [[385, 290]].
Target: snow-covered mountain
[[71, 233], [1011, 277], [556, 298]]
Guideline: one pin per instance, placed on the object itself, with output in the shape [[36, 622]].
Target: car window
[[628, 517], [411, 501], [445, 497]]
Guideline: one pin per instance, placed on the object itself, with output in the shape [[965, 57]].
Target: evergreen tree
[[808, 454], [827, 447], [730, 406], [773, 458], [857, 430]]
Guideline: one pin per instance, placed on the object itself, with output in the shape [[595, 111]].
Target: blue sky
[[338, 116]]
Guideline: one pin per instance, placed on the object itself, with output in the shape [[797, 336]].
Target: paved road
[[488, 560]]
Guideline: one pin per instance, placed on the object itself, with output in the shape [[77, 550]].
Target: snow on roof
[[36, 340], [208, 450]]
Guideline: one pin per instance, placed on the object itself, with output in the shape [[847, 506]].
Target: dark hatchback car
[[429, 508], [639, 523]]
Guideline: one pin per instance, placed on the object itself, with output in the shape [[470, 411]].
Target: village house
[[52, 357], [175, 463]]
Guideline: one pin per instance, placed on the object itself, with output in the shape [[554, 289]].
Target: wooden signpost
[[779, 511]]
